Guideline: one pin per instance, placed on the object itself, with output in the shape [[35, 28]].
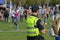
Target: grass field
[[7, 31]]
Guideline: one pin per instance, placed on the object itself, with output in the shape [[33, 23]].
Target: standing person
[[6, 15], [52, 13], [47, 12], [45, 19], [55, 11], [27, 12], [16, 20], [21, 14], [42, 12], [44, 16], [35, 27], [13, 15], [0, 16]]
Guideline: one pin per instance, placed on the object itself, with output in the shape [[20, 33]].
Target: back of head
[[35, 8]]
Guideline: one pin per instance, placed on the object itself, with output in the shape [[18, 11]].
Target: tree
[[31, 2], [54, 2], [8, 1]]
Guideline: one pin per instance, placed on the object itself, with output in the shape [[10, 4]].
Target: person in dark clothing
[[6, 15], [25, 14], [55, 12], [37, 28]]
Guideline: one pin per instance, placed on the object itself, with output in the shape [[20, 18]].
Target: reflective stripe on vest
[[31, 32], [30, 27]]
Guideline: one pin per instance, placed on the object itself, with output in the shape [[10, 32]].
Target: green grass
[[12, 36], [19, 35]]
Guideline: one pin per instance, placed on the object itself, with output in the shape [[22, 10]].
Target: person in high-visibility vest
[[34, 26]]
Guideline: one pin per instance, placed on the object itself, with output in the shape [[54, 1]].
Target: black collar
[[34, 15]]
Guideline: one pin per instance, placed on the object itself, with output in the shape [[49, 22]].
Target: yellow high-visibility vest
[[31, 29]]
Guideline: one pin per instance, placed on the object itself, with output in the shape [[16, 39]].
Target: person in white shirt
[[13, 15]]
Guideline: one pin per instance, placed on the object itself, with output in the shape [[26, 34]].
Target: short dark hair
[[35, 8]]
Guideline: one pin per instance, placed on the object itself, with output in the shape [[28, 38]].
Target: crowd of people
[[29, 14], [4, 15], [24, 12]]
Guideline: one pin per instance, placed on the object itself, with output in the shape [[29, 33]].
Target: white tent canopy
[[2, 5]]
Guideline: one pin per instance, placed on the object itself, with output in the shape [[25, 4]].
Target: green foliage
[[30, 2], [54, 2]]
